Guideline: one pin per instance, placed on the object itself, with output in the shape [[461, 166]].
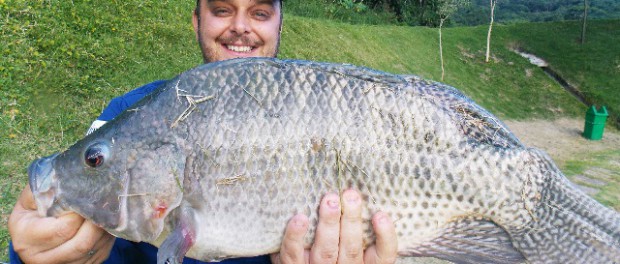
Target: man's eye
[[220, 11], [262, 15]]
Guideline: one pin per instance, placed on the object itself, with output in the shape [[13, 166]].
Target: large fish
[[214, 164]]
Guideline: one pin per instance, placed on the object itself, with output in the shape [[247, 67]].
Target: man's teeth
[[239, 48]]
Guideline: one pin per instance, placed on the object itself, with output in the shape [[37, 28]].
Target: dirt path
[[561, 139]]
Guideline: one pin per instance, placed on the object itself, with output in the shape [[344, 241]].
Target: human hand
[[66, 239], [338, 236]]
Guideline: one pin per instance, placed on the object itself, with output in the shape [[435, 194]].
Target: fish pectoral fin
[[472, 241], [180, 240]]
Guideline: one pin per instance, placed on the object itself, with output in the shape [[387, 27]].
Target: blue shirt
[[125, 251]]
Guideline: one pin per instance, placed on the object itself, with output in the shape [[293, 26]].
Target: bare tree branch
[[446, 8], [488, 54], [585, 20]]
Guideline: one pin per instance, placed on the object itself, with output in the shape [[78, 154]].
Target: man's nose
[[241, 24]]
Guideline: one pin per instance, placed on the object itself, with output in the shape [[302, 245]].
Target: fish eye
[[95, 155]]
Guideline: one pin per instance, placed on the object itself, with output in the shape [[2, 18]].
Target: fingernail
[[299, 221], [351, 197], [333, 203], [382, 218]]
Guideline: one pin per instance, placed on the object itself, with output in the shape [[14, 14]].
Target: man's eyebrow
[[268, 2]]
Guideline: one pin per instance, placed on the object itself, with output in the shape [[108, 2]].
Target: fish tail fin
[[568, 226]]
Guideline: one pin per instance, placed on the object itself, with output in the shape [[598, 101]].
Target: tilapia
[[213, 164]]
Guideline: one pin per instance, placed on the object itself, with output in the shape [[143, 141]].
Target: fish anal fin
[[471, 241]]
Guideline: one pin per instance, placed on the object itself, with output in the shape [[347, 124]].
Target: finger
[[351, 229], [53, 232], [385, 250], [326, 240], [38, 233], [99, 253], [80, 245], [20, 224], [44, 229], [102, 248], [292, 250]]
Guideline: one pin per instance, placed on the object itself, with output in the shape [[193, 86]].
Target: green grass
[[62, 61], [593, 67], [607, 166], [504, 85], [336, 10]]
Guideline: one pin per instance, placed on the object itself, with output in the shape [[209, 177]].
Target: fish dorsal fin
[[474, 121], [471, 241]]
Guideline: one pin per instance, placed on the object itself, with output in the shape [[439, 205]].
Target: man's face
[[228, 29]]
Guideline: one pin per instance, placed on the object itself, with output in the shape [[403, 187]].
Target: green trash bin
[[595, 123]]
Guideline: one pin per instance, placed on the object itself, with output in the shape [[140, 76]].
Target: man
[[224, 29]]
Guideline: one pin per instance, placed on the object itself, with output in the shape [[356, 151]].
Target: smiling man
[[225, 29]]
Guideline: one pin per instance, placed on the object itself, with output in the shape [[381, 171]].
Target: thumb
[[26, 199]]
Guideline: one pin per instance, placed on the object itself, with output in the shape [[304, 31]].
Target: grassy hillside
[[62, 61], [508, 86], [594, 67]]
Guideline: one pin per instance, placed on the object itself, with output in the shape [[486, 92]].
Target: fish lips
[[42, 180]]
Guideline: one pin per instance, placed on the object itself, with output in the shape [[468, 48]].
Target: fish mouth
[[47, 190], [41, 177]]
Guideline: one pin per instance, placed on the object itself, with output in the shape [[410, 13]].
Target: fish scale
[[219, 175]]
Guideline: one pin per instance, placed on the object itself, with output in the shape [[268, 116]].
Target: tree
[[585, 19], [410, 12], [445, 8], [488, 54]]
